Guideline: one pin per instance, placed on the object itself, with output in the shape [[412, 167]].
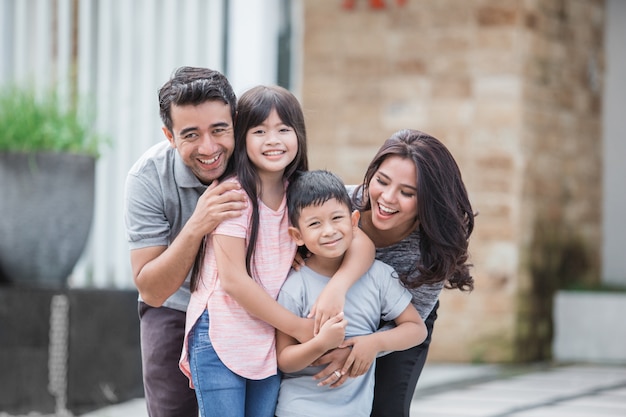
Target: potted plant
[[47, 170]]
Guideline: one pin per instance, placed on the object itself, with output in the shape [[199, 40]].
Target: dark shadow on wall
[[74, 350]]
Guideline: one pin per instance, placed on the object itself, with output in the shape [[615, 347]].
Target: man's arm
[[159, 271]]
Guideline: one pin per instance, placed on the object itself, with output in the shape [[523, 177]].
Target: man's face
[[204, 137]]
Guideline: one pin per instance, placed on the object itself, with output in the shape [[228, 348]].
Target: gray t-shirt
[[161, 195], [376, 294], [403, 257]]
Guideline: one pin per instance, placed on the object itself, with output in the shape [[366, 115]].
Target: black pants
[[166, 388], [397, 374]]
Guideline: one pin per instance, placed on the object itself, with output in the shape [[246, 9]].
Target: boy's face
[[327, 229]]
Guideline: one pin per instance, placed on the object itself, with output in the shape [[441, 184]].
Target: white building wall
[[614, 204], [126, 51], [252, 58]]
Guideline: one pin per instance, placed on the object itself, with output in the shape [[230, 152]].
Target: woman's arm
[[410, 331], [230, 255], [356, 262]]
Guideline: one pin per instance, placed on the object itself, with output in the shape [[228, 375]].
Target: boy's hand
[[333, 331], [361, 357]]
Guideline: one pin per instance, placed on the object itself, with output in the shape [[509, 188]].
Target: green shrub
[[29, 123]]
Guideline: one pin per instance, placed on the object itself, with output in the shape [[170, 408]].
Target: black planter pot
[[46, 209]]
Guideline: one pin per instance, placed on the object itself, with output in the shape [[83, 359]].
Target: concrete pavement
[[435, 378], [564, 391], [464, 390]]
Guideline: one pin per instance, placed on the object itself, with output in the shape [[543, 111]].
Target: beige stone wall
[[562, 146], [511, 87]]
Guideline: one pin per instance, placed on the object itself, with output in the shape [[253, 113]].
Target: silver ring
[[337, 373]]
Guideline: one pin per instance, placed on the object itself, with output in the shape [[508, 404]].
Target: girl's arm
[[230, 255], [356, 262], [293, 356]]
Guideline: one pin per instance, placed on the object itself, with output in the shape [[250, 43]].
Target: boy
[[319, 212]]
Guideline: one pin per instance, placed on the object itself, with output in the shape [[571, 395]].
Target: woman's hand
[[332, 374], [362, 355], [298, 261]]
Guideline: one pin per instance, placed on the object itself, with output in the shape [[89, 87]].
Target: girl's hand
[[361, 357], [327, 305], [334, 361]]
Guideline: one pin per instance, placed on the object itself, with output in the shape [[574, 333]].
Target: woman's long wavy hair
[[253, 108], [446, 219]]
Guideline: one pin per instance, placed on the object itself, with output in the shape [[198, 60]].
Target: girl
[[229, 351]]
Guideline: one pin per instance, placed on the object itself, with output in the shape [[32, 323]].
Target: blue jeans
[[221, 392]]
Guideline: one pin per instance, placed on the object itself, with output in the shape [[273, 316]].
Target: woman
[[415, 208]]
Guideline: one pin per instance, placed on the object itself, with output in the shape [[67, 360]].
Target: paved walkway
[[447, 390], [566, 391], [450, 390]]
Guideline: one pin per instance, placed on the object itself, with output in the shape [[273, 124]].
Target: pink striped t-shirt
[[244, 343]]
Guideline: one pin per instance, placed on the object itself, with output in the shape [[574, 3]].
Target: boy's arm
[[230, 255], [410, 331], [293, 356], [356, 262]]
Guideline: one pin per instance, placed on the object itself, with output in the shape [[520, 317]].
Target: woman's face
[[393, 194]]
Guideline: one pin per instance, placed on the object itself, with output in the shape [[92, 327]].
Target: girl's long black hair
[[253, 108]]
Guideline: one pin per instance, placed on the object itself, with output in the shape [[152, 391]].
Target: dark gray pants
[[166, 388], [397, 374]]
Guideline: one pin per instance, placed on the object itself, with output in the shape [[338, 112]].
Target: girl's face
[[393, 195], [272, 145]]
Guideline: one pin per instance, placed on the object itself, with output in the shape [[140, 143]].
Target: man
[[172, 201]]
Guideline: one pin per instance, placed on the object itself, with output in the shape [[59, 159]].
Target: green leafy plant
[[39, 123]]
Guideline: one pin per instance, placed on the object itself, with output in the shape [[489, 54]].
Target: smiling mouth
[[386, 210], [211, 160], [273, 153]]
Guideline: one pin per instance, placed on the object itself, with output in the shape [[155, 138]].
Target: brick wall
[[513, 88]]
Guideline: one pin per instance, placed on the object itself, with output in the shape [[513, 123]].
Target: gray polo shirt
[[161, 194]]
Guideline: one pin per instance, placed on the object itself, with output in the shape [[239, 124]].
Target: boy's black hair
[[314, 188]]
